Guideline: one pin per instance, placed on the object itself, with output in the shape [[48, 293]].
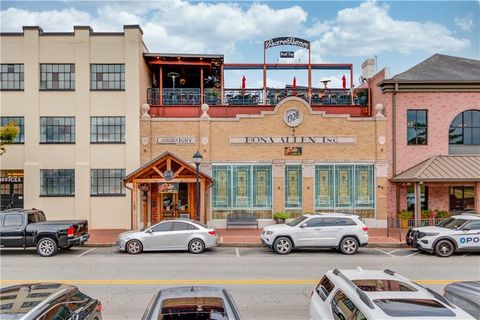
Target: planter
[[279, 221], [404, 223]]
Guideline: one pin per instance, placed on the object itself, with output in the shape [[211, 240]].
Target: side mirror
[[303, 225], [466, 229]]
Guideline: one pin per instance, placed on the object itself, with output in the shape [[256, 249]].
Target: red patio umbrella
[[344, 82], [244, 84], [294, 86]]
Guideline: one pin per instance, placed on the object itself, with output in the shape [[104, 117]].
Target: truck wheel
[[47, 247], [444, 248]]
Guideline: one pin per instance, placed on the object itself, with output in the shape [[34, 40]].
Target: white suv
[[457, 233], [344, 232], [375, 294]]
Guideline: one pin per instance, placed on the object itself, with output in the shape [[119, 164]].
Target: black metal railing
[[243, 97]]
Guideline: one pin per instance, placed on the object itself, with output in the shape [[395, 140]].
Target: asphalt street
[[264, 285]]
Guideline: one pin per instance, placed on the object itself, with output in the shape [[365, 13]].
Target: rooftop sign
[[287, 41]]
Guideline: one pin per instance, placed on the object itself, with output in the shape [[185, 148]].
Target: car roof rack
[[360, 293], [389, 272]]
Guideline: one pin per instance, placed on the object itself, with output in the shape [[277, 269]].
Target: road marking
[[198, 282], [84, 253], [466, 254], [386, 252], [412, 254], [237, 253]]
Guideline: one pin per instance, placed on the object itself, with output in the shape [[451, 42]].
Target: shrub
[[405, 214], [280, 215]]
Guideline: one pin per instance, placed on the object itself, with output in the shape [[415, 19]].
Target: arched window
[[465, 128]]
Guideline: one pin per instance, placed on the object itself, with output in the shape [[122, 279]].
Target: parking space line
[[386, 252], [412, 254], [84, 253], [237, 253]]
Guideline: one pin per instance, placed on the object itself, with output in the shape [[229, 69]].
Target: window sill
[[57, 196], [107, 142], [12, 89], [57, 90], [107, 89], [57, 143], [107, 195]]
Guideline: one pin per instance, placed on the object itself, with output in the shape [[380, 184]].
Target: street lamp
[[197, 158]]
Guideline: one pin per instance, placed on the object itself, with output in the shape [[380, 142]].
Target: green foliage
[[280, 215], [426, 214], [441, 214], [8, 133], [405, 215]]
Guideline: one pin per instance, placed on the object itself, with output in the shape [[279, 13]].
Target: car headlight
[[427, 234], [268, 233]]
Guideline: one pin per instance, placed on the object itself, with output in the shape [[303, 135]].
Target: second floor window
[[57, 77], [107, 77], [57, 129], [107, 129], [107, 182], [417, 127], [11, 76], [57, 182], [20, 123]]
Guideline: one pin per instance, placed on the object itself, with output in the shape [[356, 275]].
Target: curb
[[257, 245]]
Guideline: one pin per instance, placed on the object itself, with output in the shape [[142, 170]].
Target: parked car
[[457, 233], [179, 234], [192, 303], [377, 294], [466, 295], [23, 228], [344, 232], [47, 301]]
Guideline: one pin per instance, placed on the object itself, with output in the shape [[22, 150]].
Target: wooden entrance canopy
[[165, 168]]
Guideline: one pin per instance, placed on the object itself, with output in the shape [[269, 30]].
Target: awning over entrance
[[161, 176], [453, 168]]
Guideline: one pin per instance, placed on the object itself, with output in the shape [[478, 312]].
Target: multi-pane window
[[57, 182], [107, 182], [417, 127], [11, 76], [107, 76], [57, 129], [465, 128], [242, 187], [344, 186], [462, 198], [18, 122], [57, 76], [293, 186], [107, 129]]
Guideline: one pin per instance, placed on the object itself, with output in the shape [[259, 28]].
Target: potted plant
[[441, 214], [426, 214], [405, 216], [280, 217]]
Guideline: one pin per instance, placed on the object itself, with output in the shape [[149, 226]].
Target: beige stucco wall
[[367, 148], [82, 47]]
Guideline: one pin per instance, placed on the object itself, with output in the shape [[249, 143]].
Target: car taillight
[[365, 228], [212, 233], [99, 307], [70, 232]]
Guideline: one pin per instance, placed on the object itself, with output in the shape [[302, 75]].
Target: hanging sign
[[287, 54], [287, 41], [168, 187]]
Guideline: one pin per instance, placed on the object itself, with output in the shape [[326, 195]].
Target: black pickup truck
[[22, 228]]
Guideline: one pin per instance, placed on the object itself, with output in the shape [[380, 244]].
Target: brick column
[[477, 197]]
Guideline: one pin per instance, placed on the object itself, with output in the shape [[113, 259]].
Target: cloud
[[369, 29], [466, 23]]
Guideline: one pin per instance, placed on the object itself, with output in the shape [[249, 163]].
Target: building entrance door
[[11, 192], [175, 203]]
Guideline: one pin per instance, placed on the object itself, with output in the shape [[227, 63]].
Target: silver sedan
[[177, 234]]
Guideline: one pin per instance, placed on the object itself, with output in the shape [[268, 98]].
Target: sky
[[399, 34]]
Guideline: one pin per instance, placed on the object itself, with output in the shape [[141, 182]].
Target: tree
[[8, 133]]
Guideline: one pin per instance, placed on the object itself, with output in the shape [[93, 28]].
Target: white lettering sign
[[176, 140], [292, 140]]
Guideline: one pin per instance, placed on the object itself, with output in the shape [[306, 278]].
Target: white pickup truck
[[457, 233]]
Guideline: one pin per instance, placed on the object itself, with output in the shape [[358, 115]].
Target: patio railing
[[243, 97]]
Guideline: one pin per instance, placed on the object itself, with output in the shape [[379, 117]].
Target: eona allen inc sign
[[292, 139]]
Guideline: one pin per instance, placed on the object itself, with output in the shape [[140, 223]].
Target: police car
[[457, 233]]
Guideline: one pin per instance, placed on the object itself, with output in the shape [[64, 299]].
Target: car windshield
[[193, 308], [413, 308], [296, 221], [452, 223]]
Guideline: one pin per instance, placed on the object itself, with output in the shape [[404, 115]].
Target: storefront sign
[[292, 140], [293, 151], [168, 175], [11, 179], [287, 54], [293, 117], [287, 41], [168, 187], [176, 140]]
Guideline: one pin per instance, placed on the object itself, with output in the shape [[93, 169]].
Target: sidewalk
[[248, 237]]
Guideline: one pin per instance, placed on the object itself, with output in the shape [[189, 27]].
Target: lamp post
[[197, 158]]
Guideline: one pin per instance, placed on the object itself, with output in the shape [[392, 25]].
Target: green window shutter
[[221, 195], [262, 187], [293, 186]]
